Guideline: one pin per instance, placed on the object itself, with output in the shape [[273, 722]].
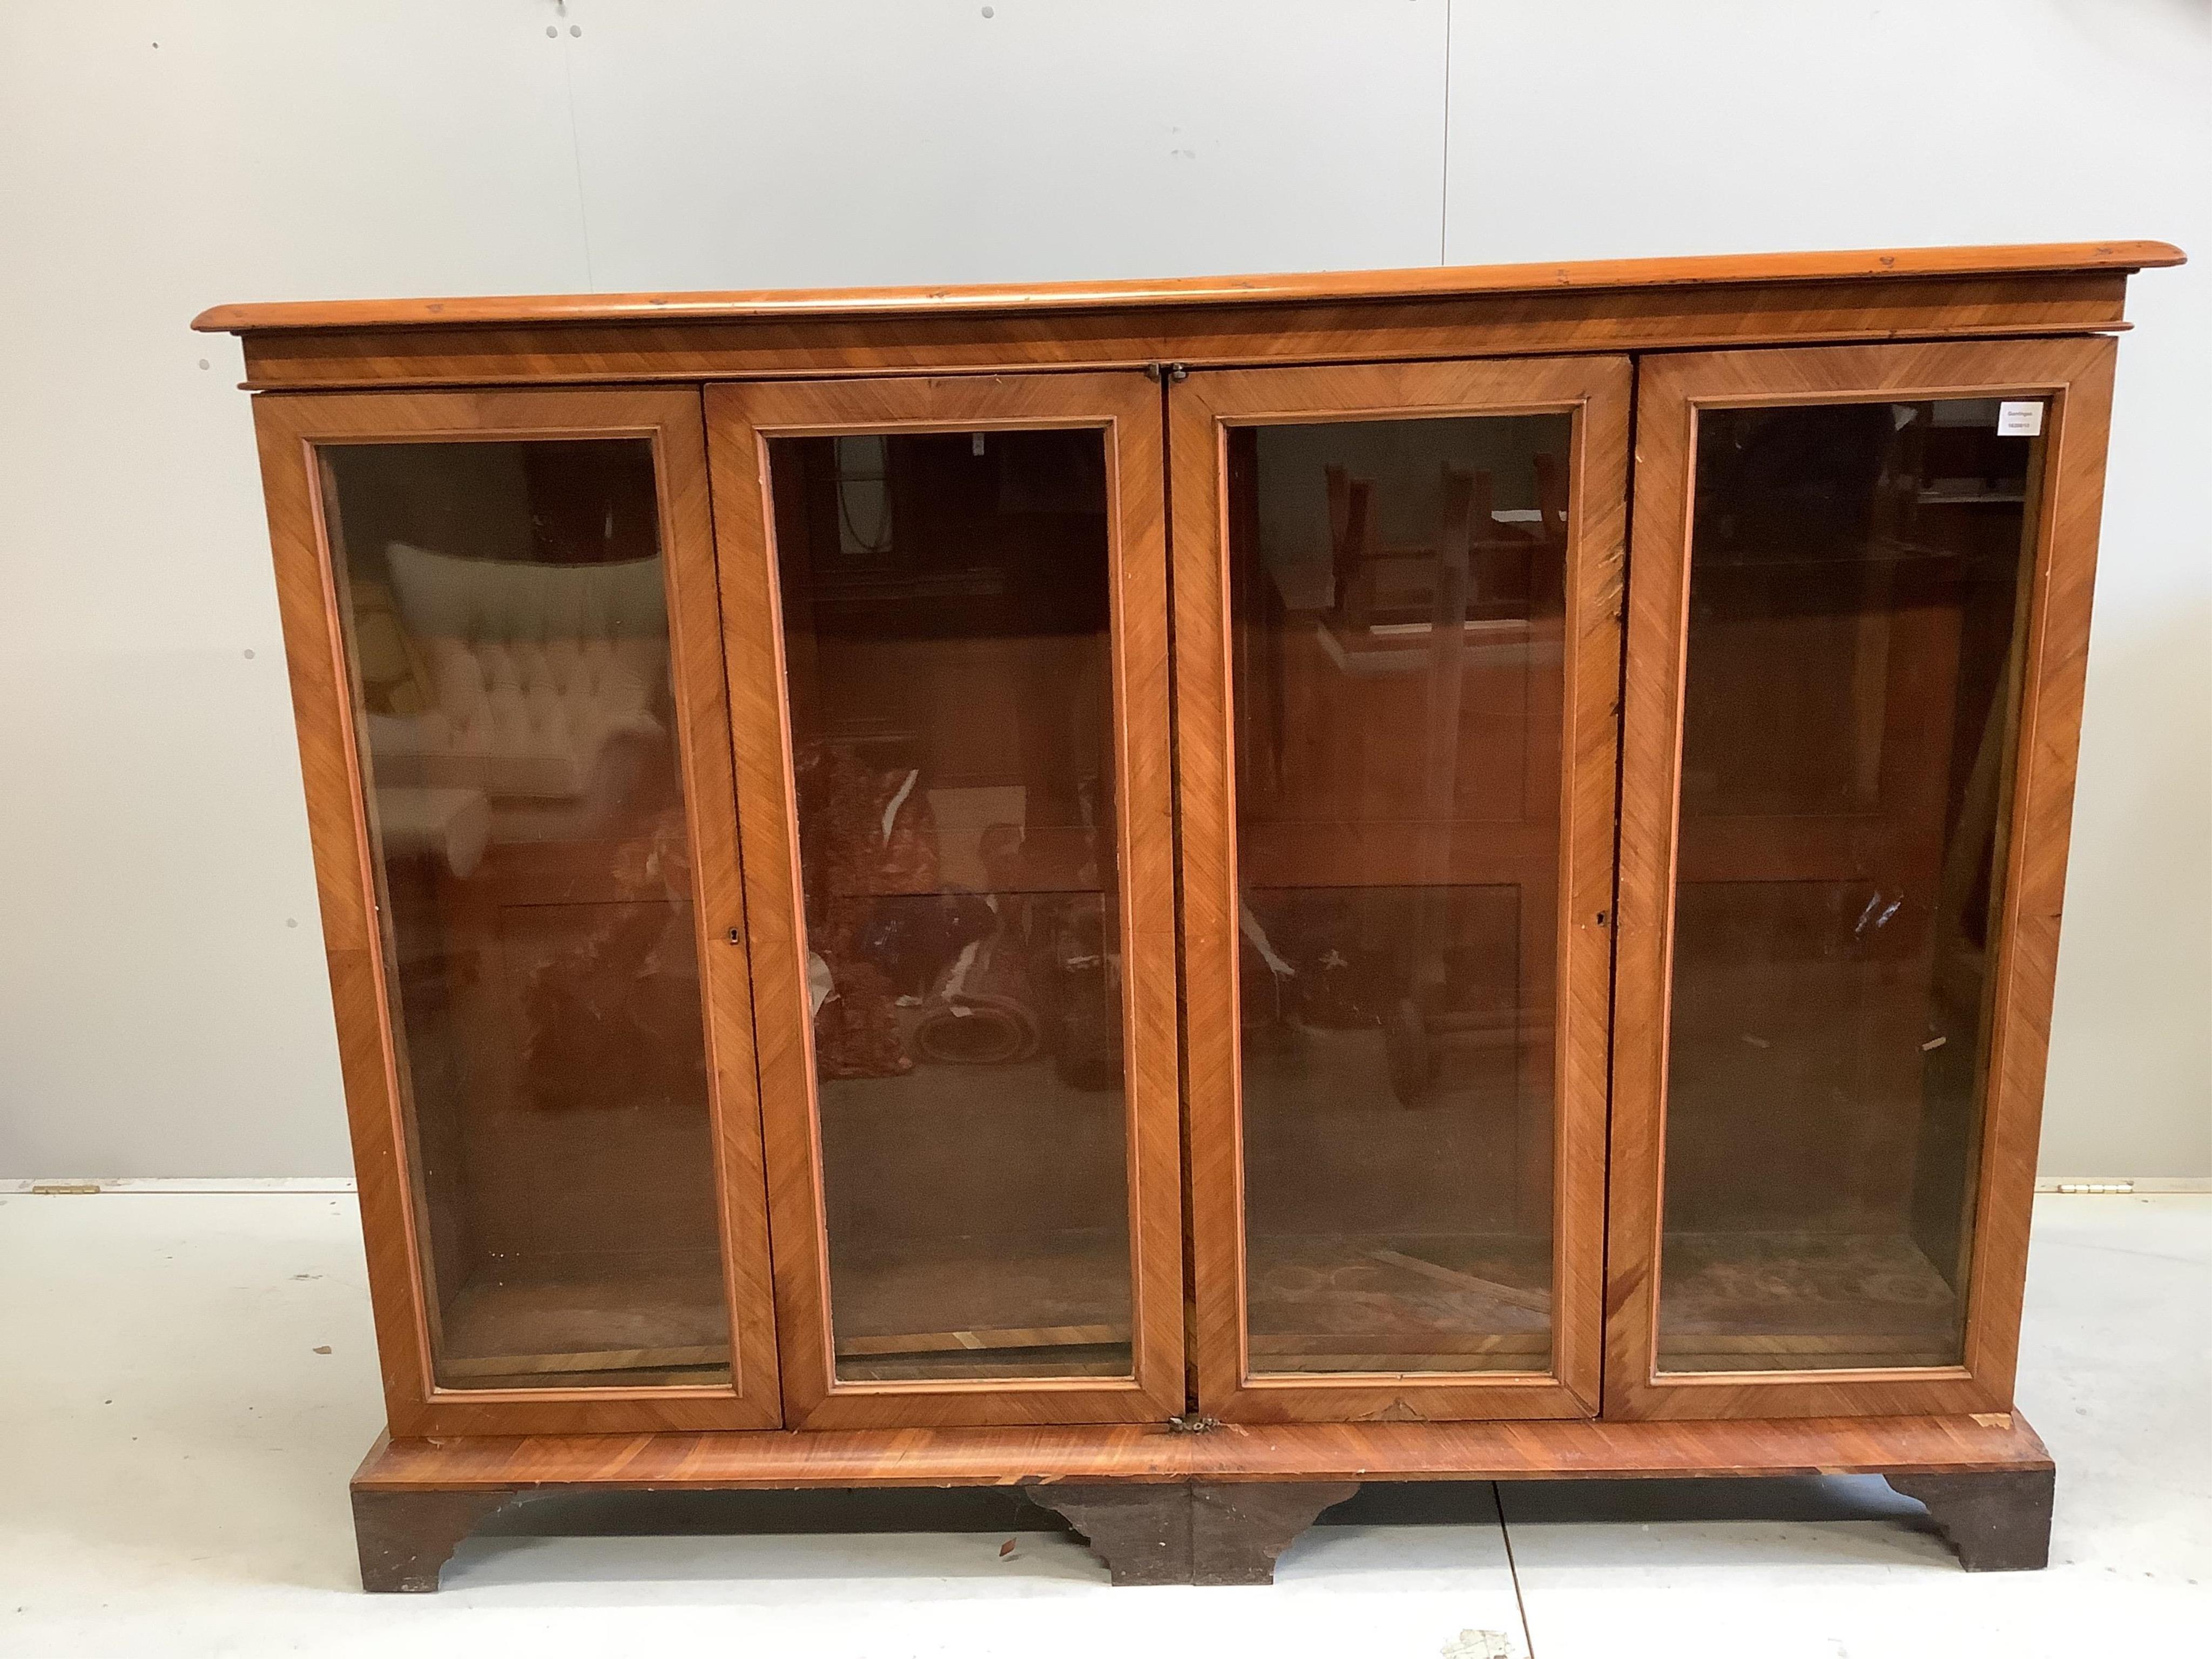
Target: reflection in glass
[[1857, 585], [507, 633], [1397, 602], [947, 607]]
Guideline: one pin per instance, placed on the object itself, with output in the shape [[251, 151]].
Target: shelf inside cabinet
[[1804, 1301], [1393, 1303], [1050, 1303], [652, 1323]]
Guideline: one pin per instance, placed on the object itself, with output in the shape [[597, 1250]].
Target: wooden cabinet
[[1188, 894]]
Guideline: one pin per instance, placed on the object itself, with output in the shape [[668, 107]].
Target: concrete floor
[[186, 1381]]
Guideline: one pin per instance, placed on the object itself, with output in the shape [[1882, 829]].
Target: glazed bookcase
[[1182, 896]]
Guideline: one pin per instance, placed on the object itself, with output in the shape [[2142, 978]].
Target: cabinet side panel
[[330, 775], [2042, 826]]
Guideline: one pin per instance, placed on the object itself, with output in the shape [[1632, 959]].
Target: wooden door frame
[[2077, 375], [1125, 407], [288, 430], [1596, 392]]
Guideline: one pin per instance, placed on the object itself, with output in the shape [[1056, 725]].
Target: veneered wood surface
[[1126, 406], [1595, 391], [1542, 311], [289, 430], [1316, 1451], [1558, 321], [2077, 376], [1887, 263]]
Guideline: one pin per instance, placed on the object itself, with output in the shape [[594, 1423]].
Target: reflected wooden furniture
[[1137, 891]]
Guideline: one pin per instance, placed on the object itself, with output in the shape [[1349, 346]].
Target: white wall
[[162, 1006], [1589, 129]]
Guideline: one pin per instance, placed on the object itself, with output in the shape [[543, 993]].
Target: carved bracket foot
[[1141, 1532], [1238, 1528], [405, 1538], [1200, 1531], [1998, 1522]]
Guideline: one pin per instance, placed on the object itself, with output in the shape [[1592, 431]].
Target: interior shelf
[[1803, 1301], [1389, 1302], [597, 1325], [1041, 1304]]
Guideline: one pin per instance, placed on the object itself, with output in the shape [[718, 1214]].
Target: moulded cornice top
[[1439, 281]]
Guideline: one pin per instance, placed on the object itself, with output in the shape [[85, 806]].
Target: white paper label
[[2020, 420]]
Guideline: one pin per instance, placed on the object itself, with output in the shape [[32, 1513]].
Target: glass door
[[1398, 594], [946, 605], [1860, 590], [500, 613]]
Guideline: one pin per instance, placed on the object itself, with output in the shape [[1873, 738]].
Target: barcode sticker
[[2020, 420]]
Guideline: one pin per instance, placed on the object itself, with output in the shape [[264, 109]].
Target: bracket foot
[[1197, 1532], [405, 1538], [1998, 1522]]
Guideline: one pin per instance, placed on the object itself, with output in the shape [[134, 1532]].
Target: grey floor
[[187, 1379]]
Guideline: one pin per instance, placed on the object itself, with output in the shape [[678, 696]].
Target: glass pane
[[1857, 589], [947, 607], [1396, 595], [509, 641]]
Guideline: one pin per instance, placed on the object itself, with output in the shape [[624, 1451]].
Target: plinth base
[[1163, 1506]]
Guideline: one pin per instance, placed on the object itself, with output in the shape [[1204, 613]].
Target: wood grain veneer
[[1878, 263], [1569, 320], [1366, 1451]]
